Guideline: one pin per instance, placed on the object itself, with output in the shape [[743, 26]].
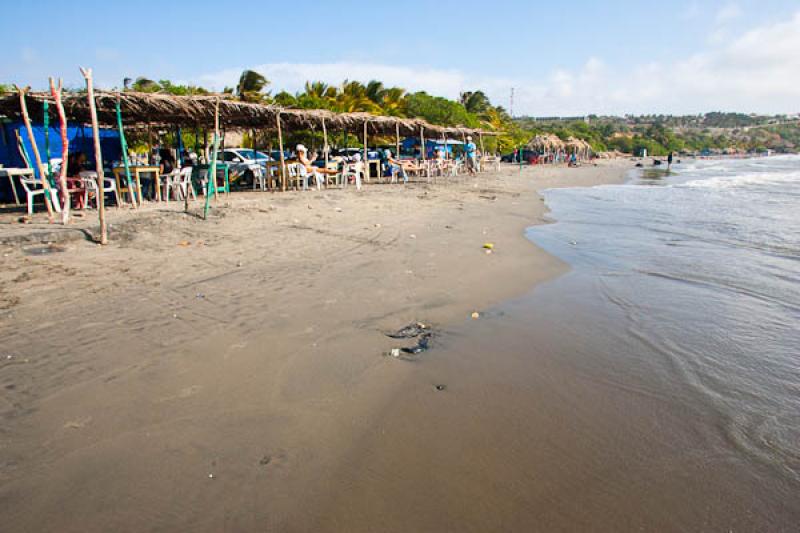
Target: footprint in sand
[[274, 459], [183, 393], [78, 423]]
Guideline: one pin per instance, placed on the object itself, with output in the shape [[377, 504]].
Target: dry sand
[[230, 374]]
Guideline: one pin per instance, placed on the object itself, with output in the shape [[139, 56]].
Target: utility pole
[[511, 104]]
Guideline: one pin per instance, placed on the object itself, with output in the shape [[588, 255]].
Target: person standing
[[669, 161], [470, 151]]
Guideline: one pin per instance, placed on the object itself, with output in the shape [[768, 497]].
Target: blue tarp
[[80, 140], [411, 144]]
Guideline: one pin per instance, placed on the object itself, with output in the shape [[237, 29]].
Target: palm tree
[[251, 86], [320, 89], [375, 91], [353, 97], [394, 101], [475, 101]]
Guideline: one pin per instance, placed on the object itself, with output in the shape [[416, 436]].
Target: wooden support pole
[[39, 168], [46, 126], [366, 154], [325, 148], [422, 142], [62, 174], [212, 170], [125, 162], [280, 147], [98, 156], [480, 139], [397, 139]]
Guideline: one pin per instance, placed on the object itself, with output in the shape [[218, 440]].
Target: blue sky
[[604, 57]]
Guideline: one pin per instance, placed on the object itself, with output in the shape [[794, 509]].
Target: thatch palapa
[[199, 111], [547, 142]]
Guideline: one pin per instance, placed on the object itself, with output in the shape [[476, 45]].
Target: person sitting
[[573, 160], [400, 166], [318, 172], [393, 166], [438, 162], [76, 162]]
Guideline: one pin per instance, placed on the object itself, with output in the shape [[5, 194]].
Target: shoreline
[[252, 354]]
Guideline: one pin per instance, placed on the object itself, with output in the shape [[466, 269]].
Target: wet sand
[[231, 374]]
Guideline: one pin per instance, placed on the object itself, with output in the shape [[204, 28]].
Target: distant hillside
[[712, 132]]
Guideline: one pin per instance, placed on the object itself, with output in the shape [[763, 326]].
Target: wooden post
[[62, 174], [366, 155], [124, 146], [422, 142], [98, 157], [325, 142], [46, 126], [212, 170], [280, 147], [480, 139], [397, 139], [45, 184]]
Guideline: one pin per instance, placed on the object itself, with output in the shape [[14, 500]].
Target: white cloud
[[728, 13], [758, 71]]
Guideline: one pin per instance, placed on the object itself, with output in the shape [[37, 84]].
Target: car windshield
[[252, 154]]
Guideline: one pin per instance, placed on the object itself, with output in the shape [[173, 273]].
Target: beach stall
[[549, 148]]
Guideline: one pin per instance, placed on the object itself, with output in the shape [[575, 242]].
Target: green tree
[[252, 86], [353, 97], [439, 110], [475, 101], [145, 85]]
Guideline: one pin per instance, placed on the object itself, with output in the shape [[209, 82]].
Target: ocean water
[[696, 276]]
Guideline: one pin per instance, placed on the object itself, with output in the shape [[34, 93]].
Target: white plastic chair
[[182, 184], [32, 187], [89, 178], [352, 170], [298, 173], [259, 178], [169, 180]]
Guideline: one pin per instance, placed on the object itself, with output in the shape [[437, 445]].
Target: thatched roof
[[578, 145], [546, 141], [198, 111], [149, 108]]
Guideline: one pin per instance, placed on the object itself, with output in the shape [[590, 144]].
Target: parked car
[[244, 163]]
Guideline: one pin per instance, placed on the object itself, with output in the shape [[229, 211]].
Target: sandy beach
[[232, 374]]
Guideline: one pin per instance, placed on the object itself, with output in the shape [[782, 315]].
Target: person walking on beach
[[470, 151], [669, 161]]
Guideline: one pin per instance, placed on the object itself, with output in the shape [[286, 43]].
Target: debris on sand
[[475, 315], [423, 343], [422, 332], [409, 332]]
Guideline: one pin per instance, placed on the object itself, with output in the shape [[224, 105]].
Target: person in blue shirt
[[393, 165], [471, 153]]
